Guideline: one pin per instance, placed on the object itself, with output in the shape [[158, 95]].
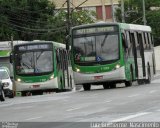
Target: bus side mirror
[[11, 58]]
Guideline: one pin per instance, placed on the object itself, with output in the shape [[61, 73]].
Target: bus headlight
[[51, 77], [118, 66], [77, 70], [19, 80]]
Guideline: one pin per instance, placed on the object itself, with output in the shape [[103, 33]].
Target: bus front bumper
[[50, 84], [115, 75]]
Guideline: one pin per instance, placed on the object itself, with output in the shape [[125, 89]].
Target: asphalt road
[[131, 104]]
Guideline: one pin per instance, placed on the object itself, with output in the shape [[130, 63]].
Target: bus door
[[140, 55]]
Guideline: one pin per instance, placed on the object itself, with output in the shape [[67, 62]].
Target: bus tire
[[11, 95], [130, 82], [70, 82], [112, 85], [148, 81], [140, 82], [61, 83], [86, 87], [2, 96], [105, 85]]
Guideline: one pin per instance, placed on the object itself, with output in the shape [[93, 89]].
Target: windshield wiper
[[103, 42], [39, 55], [26, 65]]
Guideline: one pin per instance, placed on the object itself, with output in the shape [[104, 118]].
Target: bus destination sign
[[34, 47], [95, 30]]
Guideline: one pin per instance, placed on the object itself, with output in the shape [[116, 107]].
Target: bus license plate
[[98, 77], [35, 86]]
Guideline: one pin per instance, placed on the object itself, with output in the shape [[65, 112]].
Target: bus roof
[[56, 44], [135, 27], [94, 24], [122, 25]]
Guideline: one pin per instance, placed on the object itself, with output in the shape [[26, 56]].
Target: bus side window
[[64, 59], [150, 42], [140, 40], [132, 37], [58, 58], [129, 40], [137, 44], [124, 41], [145, 41]]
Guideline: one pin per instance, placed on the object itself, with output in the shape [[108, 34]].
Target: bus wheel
[[140, 82], [112, 85], [148, 81], [106, 85], [86, 87], [71, 82], [11, 95], [2, 96], [129, 83]]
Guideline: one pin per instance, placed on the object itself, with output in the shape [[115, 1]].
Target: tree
[[134, 14], [35, 19]]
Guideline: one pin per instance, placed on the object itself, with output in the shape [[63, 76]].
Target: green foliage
[[35, 19], [134, 14], [82, 17]]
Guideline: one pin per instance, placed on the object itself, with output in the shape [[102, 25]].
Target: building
[[103, 8]]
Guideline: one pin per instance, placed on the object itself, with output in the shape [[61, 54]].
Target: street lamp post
[[113, 18], [144, 13], [103, 10], [122, 11], [68, 23]]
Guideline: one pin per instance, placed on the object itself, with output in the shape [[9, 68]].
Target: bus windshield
[[3, 75], [34, 62], [96, 48]]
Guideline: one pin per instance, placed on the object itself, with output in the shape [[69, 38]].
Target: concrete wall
[[157, 57]]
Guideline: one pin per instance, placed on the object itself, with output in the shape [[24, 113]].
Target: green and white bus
[[39, 66], [110, 53]]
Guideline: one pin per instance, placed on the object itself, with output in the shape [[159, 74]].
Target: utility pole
[[122, 11], [113, 19], [68, 24], [67, 39], [12, 42], [144, 13], [103, 10]]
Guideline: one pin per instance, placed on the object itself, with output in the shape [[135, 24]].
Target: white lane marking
[[107, 101], [23, 107], [133, 95], [72, 109], [130, 117], [34, 118], [153, 91], [32, 100]]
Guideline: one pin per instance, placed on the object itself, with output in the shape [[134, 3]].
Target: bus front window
[[34, 62], [96, 49]]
